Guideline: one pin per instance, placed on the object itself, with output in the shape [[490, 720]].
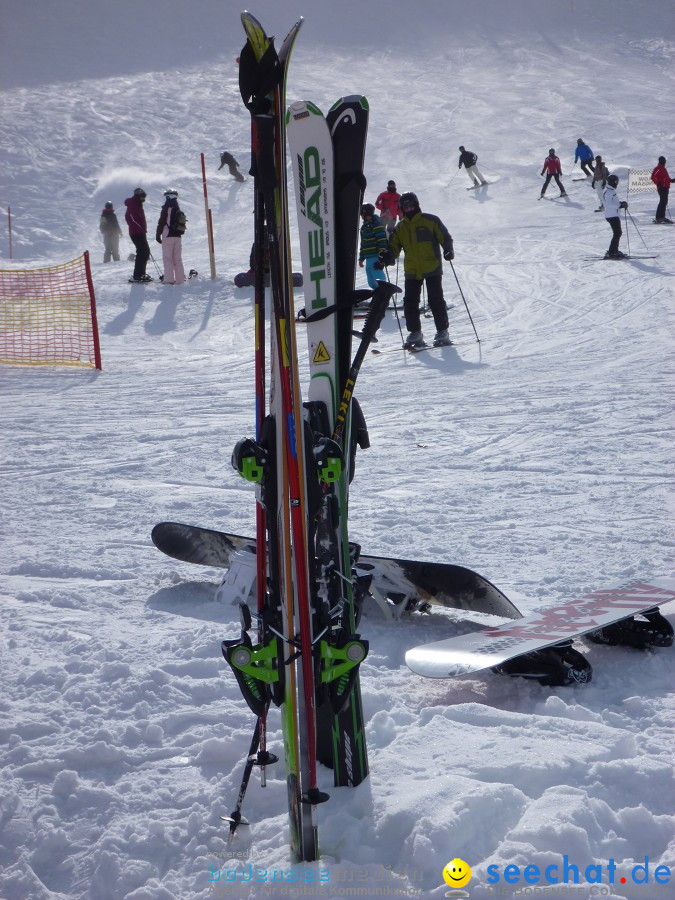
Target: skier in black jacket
[[469, 160]]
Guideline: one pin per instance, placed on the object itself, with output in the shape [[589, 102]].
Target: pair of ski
[[307, 652]]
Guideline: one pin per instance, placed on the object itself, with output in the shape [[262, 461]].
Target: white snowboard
[[467, 653]]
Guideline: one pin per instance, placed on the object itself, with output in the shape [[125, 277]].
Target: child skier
[[111, 231], [373, 240]]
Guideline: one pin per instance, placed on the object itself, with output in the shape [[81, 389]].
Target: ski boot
[[655, 632], [415, 341], [442, 338]]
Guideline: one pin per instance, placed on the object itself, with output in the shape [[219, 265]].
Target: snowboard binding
[[656, 631], [558, 666]]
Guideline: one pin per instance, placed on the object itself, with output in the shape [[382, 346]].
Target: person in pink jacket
[[553, 169], [170, 231]]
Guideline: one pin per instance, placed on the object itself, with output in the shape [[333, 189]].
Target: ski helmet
[[409, 201], [140, 193], [551, 150], [171, 194], [109, 204], [662, 160], [613, 180], [367, 209], [461, 149]]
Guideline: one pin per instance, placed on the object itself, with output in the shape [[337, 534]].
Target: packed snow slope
[[541, 457]]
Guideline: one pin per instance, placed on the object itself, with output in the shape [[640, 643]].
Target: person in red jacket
[[553, 169], [388, 205], [662, 180], [138, 229]]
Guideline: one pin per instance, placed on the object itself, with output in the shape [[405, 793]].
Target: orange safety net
[[48, 316]]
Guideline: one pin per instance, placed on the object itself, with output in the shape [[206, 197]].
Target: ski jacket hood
[[135, 216], [424, 239]]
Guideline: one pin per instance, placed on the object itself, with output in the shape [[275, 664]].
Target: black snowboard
[[245, 279], [444, 584]]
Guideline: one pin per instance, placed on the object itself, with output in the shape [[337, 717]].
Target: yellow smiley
[[457, 873]]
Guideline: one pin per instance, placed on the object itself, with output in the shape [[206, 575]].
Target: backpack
[[179, 226]]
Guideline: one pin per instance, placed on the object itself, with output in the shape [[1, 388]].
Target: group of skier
[[605, 185], [169, 233]]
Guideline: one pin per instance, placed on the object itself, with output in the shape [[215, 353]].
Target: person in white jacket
[[612, 205]]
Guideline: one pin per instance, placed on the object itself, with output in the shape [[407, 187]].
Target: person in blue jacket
[[584, 156]]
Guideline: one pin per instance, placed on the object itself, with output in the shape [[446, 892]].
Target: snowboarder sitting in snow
[[111, 231], [388, 205], [584, 156], [170, 231], [426, 242], [662, 180], [226, 159], [373, 241], [469, 160], [600, 174], [612, 204], [553, 169]]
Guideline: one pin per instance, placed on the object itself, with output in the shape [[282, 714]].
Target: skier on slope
[[584, 156], [170, 230], [662, 180], [226, 159], [138, 229], [612, 204], [600, 175], [426, 242], [553, 169], [111, 231], [388, 205], [373, 241], [469, 160]]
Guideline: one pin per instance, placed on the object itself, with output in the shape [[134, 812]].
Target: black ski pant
[[435, 298], [615, 225], [663, 202], [548, 181], [142, 254], [585, 166]]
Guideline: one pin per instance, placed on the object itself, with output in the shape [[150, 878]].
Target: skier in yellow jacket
[[426, 242]]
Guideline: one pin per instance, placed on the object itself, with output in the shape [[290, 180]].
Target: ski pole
[[636, 228], [383, 292], [625, 222], [156, 266], [398, 320], [461, 292]]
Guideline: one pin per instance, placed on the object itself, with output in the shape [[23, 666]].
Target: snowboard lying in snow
[[599, 614], [538, 646], [399, 585]]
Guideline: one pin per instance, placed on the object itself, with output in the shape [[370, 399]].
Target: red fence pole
[[92, 304]]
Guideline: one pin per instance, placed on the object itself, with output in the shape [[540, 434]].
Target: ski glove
[[623, 205], [385, 257], [159, 240], [449, 254]]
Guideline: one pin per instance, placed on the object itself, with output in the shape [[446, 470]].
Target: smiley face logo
[[457, 873]]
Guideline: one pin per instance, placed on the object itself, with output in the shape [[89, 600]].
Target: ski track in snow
[[542, 457]]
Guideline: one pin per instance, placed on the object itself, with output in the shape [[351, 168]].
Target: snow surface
[[542, 457]]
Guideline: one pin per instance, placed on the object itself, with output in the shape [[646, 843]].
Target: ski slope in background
[[541, 457]]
